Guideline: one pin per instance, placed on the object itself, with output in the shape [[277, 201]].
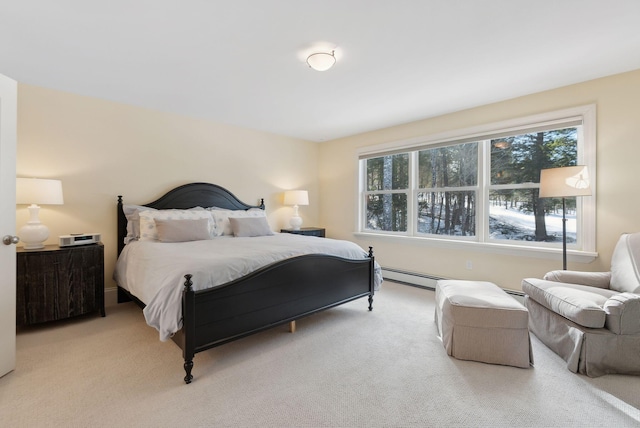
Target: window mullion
[[484, 180], [412, 195]]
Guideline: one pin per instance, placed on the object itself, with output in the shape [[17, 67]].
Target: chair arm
[[623, 313], [592, 279]]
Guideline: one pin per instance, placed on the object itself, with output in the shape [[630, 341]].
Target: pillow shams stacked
[[132, 214], [222, 226], [149, 230]]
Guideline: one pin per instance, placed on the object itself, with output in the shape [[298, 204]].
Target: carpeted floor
[[344, 367]]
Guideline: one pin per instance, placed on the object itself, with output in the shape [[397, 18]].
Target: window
[[515, 210], [481, 185], [447, 190], [387, 193]]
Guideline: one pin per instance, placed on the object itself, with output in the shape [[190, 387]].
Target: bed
[[275, 293]]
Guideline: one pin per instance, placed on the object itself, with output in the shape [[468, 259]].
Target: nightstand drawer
[[308, 231]]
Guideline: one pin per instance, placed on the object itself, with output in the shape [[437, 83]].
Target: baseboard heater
[[410, 278], [421, 280]]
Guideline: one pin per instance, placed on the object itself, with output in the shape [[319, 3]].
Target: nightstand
[[55, 283], [308, 231]]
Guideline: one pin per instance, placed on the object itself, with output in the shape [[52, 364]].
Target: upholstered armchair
[[591, 319]]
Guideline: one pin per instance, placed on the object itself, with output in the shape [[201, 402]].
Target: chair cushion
[[624, 264], [579, 303]]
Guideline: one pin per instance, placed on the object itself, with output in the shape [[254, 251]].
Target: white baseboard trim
[[424, 281], [410, 278], [111, 296]]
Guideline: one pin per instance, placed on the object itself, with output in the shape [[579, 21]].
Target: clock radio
[[79, 239]]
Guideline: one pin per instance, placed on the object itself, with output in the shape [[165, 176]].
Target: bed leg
[[188, 365], [292, 326], [370, 302]]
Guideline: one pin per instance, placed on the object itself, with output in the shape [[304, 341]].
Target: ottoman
[[478, 321]]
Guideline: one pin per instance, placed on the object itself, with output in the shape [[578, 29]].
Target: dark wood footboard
[[274, 295]]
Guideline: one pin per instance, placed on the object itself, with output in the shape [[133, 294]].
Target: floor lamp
[[569, 181]]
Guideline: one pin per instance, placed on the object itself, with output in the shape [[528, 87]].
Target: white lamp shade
[[296, 197], [38, 191], [564, 182], [321, 61]]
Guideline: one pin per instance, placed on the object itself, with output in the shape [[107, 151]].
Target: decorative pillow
[[148, 230], [131, 212], [183, 230], [250, 226], [221, 218]]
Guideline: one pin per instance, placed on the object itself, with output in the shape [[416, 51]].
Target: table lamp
[[35, 191], [295, 198]]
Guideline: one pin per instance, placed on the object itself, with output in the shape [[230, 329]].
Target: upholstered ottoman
[[478, 321]]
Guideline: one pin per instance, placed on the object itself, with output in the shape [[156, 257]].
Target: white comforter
[[154, 271]]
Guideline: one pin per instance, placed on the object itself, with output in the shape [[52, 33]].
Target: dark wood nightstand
[[54, 283], [308, 231]]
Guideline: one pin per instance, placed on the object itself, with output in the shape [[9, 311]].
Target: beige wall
[[101, 149], [618, 203]]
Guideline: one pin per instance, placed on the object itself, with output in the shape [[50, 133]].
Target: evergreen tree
[[519, 159]]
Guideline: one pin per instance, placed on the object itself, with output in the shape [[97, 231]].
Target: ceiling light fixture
[[321, 61]]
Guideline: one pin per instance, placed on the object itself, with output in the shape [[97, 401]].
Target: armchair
[[591, 319]]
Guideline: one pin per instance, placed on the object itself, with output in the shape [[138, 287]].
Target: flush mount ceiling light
[[321, 61]]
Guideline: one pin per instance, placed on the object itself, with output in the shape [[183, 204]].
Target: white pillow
[[183, 230], [131, 212], [148, 230], [221, 218], [250, 226], [624, 264]]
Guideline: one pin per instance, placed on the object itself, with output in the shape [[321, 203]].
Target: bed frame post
[[122, 225], [371, 278], [122, 232], [188, 326]]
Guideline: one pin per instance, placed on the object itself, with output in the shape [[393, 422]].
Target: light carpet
[[345, 367]]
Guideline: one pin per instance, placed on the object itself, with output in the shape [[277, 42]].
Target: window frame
[[404, 191], [469, 188], [583, 250]]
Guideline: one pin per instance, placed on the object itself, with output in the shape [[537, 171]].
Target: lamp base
[[33, 235], [295, 222]]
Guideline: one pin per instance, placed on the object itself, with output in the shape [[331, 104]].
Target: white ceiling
[[241, 62]]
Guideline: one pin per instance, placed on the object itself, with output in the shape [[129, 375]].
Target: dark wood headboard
[[184, 197]]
